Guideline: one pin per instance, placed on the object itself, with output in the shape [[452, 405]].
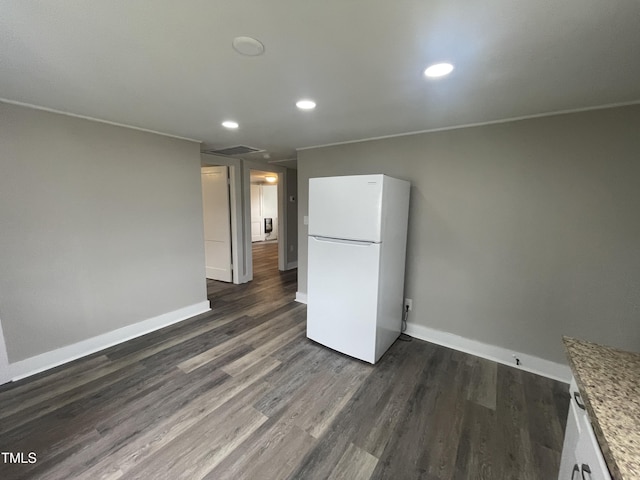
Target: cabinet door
[[581, 455], [569, 460], [589, 457]]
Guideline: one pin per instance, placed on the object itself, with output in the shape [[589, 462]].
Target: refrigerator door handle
[[342, 240]]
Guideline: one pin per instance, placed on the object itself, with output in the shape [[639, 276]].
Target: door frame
[[238, 271], [240, 203], [282, 221]]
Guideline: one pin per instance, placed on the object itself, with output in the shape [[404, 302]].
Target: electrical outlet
[[408, 303]]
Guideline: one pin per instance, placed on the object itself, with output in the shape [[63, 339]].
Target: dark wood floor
[[240, 393]]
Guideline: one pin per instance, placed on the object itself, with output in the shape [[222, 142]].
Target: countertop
[[609, 383]]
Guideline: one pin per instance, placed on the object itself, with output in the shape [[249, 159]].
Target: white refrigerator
[[356, 262]]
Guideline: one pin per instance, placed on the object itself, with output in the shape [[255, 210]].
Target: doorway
[[265, 232], [239, 171], [264, 206]]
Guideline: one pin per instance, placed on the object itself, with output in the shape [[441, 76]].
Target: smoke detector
[[248, 46]]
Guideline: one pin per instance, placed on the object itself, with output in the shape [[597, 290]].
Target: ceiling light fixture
[[271, 178], [306, 104], [438, 70], [248, 46], [230, 124]]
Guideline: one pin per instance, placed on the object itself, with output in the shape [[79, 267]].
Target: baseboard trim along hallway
[[45, 361], [528, 363]]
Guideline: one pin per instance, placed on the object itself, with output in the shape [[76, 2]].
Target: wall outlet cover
[[408, 303]]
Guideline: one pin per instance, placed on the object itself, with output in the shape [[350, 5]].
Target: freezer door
[[342, 296], [346, 207]]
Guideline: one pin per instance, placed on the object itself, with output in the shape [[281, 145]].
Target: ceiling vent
[[232, 151]]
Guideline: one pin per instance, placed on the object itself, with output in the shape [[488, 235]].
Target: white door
[[217, 223], [256, 214], [347, 207]]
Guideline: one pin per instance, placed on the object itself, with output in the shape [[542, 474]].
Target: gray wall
[[292, 216], [518, 232], [101, 228]]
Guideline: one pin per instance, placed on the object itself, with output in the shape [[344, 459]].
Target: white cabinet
[[581, 455], [589, 456], [570, 446]]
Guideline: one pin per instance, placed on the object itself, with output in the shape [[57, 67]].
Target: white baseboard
[[291, 265], [301, 297], [45, 361], [529, 363]]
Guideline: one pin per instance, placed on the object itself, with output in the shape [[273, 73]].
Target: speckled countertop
[[609, 383]]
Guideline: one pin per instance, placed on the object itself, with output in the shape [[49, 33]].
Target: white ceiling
[[168, 65]]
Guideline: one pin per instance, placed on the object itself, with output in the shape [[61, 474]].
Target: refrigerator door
[[342, 296], [346, 207]]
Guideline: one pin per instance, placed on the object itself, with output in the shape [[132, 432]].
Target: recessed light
[[306, 104], [271, 178], [248, 46], [230, 124], [438, 70]]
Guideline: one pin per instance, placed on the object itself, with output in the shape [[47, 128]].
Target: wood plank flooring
[[241, 393]]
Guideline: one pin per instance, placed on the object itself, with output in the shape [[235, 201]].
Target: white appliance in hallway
[[356, 262]]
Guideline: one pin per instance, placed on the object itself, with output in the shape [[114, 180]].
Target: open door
[[217, 223], [256, 214]]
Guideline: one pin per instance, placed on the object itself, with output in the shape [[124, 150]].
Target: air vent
[[231, 151]]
